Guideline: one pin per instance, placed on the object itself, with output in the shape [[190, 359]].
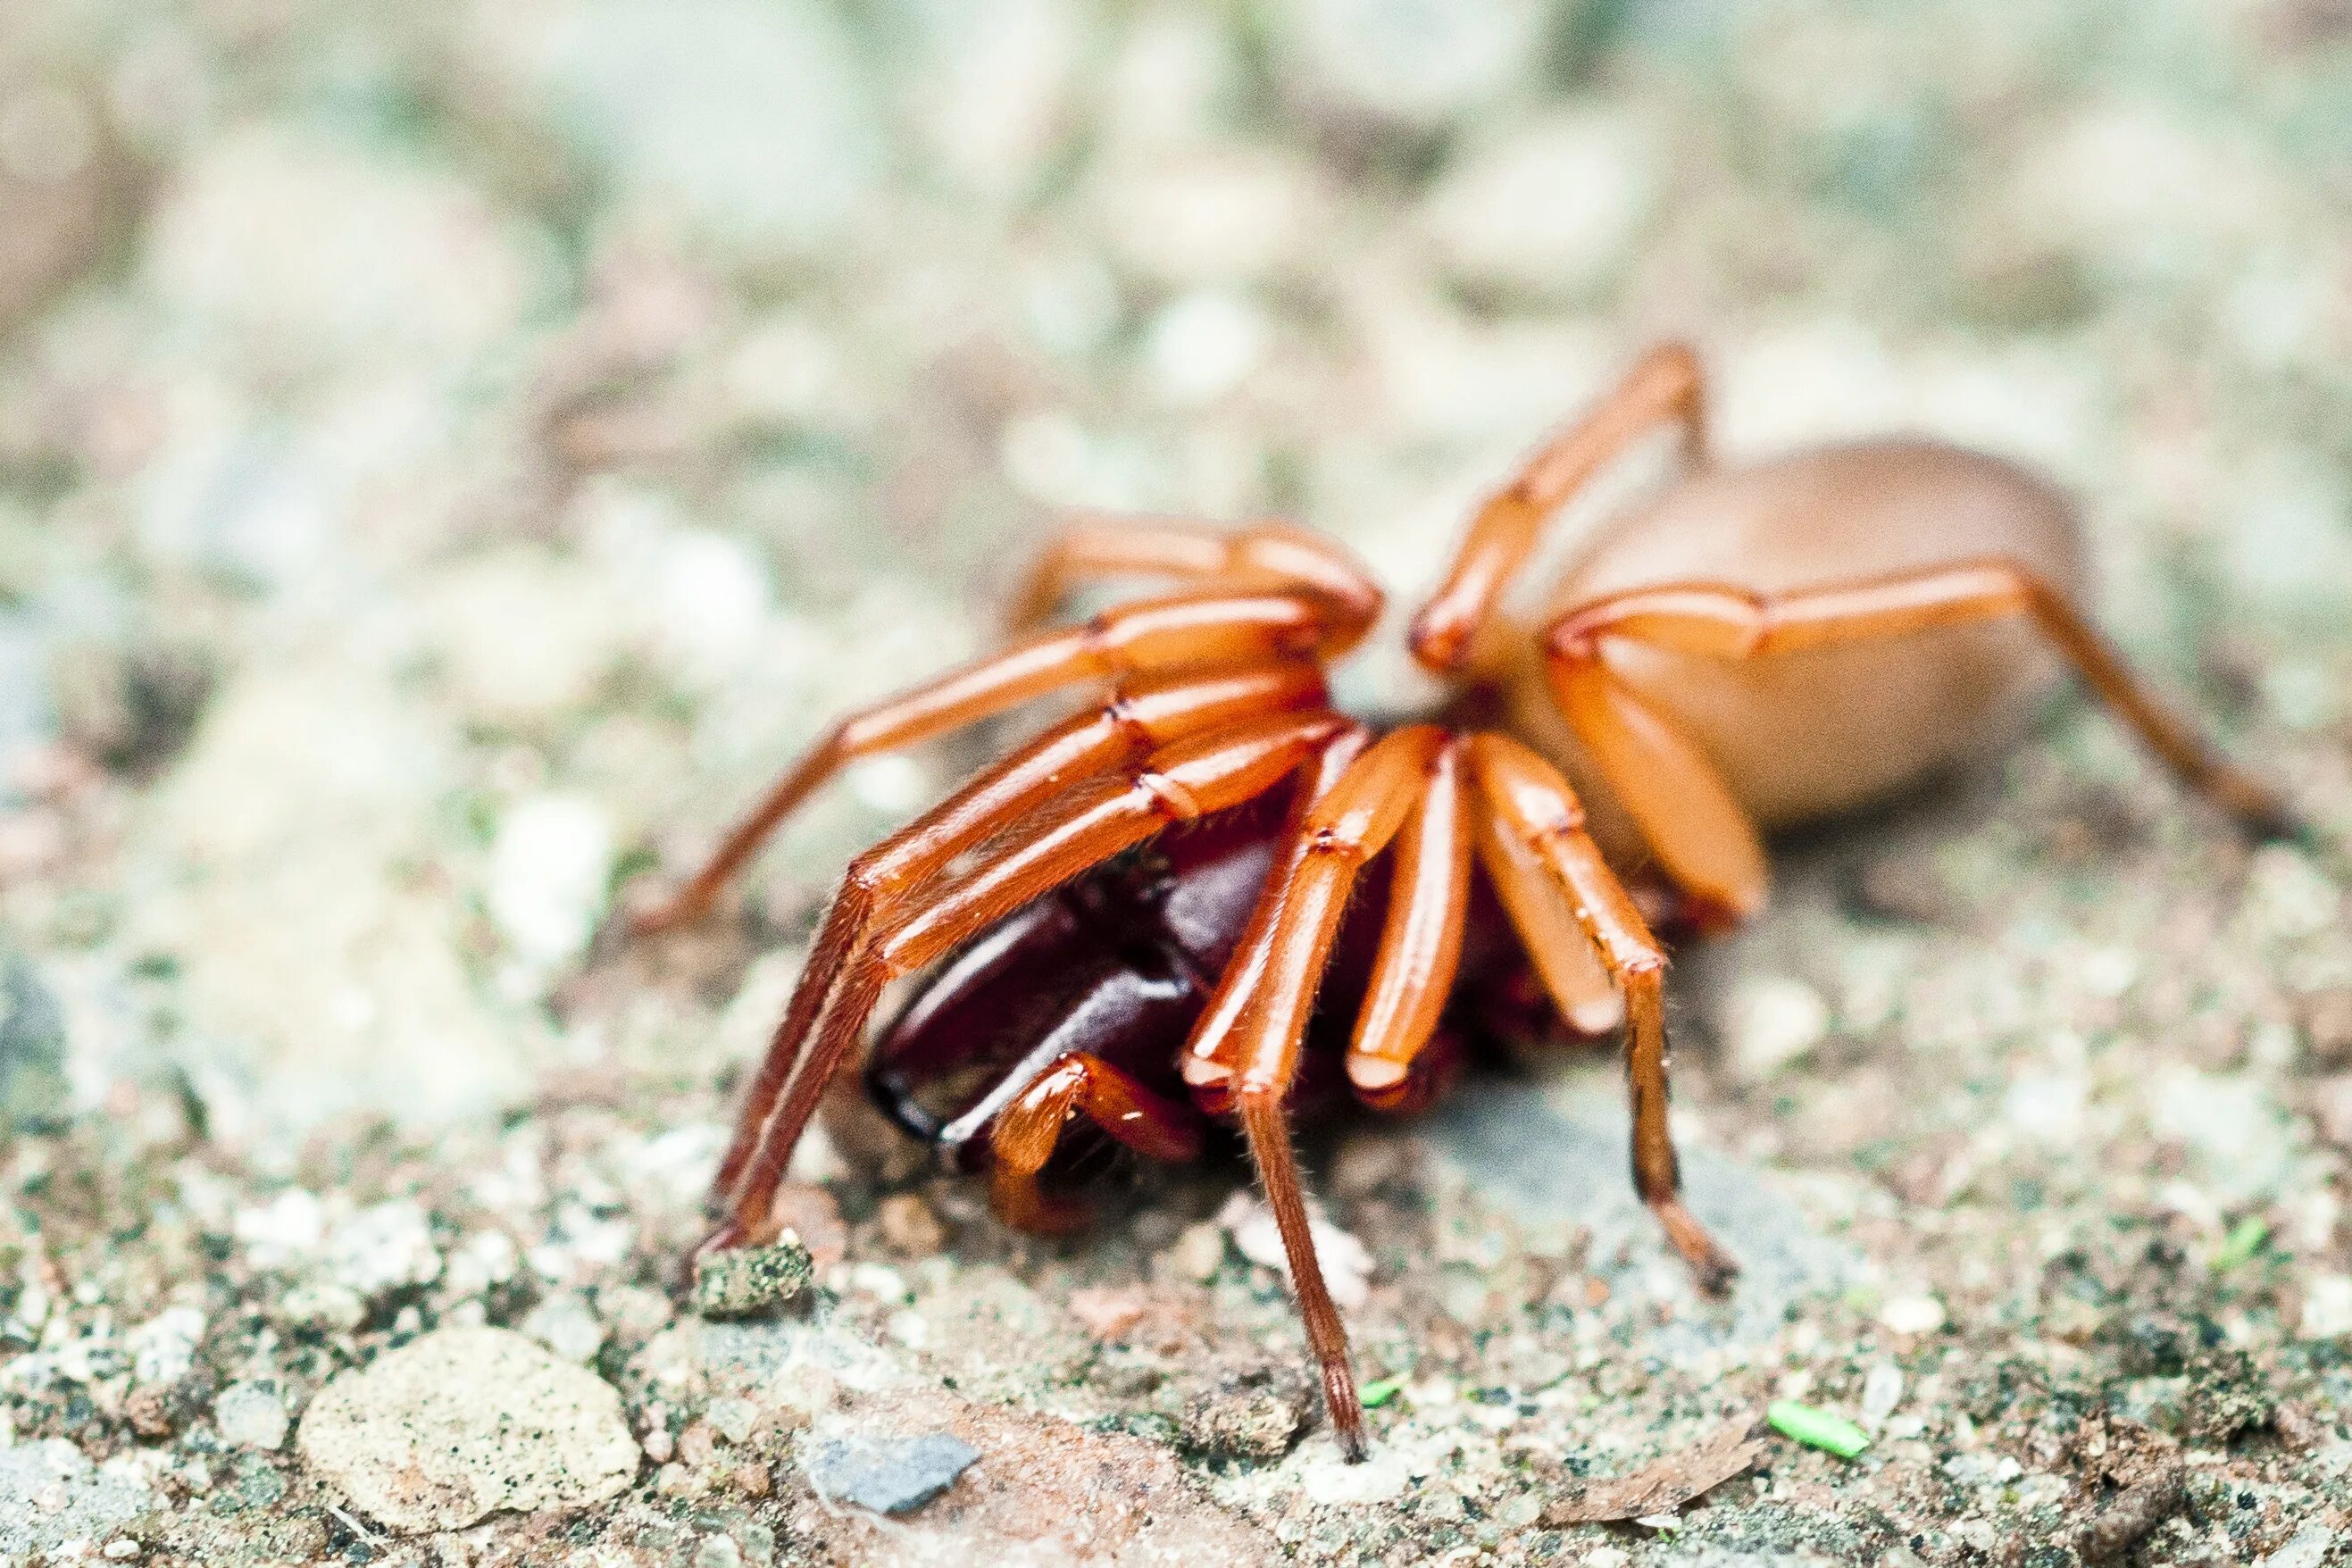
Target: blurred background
[[451, 456], [447, 453]]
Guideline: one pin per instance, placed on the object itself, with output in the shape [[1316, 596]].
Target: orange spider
[[1755, 646]]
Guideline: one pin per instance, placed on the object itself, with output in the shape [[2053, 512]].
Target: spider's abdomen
[[1807, 735]]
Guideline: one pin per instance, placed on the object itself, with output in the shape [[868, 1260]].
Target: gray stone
[[32, 1047], [744, 1280], [888, 1475], [1561, 1159], [50, 1495], [465, 1422]]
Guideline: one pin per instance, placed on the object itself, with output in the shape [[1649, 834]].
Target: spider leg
[[1563, 957], [1137, 718], [1206, 628], [1665, 385], [1207, 1062], [1679, 801], [1080, 1084], [1085, 825], [1529, 801], [1266, 554], [1421, 945], [1703, 837], [1346, 827]]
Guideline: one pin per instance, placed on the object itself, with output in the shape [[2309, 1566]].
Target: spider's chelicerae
[[1134, 915]]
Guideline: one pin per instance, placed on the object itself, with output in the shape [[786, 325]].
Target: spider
[[1755, 646]]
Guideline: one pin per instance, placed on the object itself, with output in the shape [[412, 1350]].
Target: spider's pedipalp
[[1421, 942], [1562, 956], [1080, 1084]]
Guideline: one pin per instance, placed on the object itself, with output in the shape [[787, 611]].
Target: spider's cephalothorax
[[1757, 645]]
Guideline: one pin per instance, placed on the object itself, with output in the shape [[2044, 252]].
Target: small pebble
[[1244, 1420], [1913, 1314], [2326, 1019], [2326, 1307], [888, 1475], [697, 1445], [1882, 1390], [383, 1249], [745, 1280], [1346, 1264], [251, 1416], [163, 1348], [2331, 1107], [1771, 1021], [1199, 1253], [465, 1422], [733, 1419], [322, 1304], [566, 1324]]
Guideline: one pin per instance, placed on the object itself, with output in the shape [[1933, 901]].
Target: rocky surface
[[455, 1426], [450, 457]]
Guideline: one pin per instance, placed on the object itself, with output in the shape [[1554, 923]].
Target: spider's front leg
[[1137, 718], [1082, 826], [1208, 628], [1246, 1047]]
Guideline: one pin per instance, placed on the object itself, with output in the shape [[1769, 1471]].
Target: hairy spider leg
[[1205, 1062], [1263, 554], [1219, 627], [1531, 802], [1341, 832], [1080, 1084], [1081, 827], [1677, 797], [1136, 719], [1666, 385], [1562, 956]]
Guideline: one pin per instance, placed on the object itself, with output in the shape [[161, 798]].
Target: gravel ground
[[451, 456]]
